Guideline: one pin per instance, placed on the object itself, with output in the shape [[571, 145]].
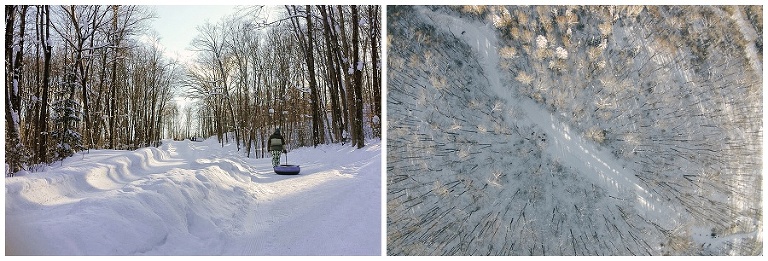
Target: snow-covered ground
[[489, 151], [198, 198]]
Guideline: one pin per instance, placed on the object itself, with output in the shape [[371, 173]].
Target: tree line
[[77, 77], [91, 77], [314, 72]]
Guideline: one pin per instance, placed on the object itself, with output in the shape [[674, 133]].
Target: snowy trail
[[197, 198], [308, 210], [597, 165]]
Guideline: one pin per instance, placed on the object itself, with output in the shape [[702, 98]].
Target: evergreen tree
[[66, 114]]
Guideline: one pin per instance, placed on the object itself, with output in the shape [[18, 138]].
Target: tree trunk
[[306, 45], [113, 86], [342, 60], [334, 77], [373, 16], [14, 149], [359, 138], [43, 119]]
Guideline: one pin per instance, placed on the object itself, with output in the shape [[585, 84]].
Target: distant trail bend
[[598, 165]]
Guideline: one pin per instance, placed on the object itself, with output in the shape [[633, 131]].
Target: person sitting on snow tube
[[275, 144]]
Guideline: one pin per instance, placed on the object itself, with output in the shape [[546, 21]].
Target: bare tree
[[298, 72], [14, 148]]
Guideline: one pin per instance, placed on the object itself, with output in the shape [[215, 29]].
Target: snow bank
[[197, 198]]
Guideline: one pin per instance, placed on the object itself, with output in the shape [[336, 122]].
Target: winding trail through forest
[[588, 158]]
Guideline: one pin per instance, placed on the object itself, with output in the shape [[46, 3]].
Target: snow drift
[[197, 198]]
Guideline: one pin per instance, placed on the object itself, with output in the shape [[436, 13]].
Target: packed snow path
[[598, 165], [197, 198]]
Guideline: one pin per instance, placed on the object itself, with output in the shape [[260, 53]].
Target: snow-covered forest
[[93, 77], [315, 73], [574, 130]]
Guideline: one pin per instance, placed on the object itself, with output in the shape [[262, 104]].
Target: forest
[[79, 78], [574, 130]]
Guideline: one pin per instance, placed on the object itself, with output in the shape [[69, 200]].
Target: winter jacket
[[276, 142]]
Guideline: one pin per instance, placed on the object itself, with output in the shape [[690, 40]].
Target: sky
[[176, 25]]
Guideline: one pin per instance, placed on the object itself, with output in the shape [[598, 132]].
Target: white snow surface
[[198, 198]]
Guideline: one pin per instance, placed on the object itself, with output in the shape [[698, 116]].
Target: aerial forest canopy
[[94, 77], [574, 130]]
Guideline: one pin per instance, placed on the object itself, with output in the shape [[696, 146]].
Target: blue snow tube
[[287, 169]]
